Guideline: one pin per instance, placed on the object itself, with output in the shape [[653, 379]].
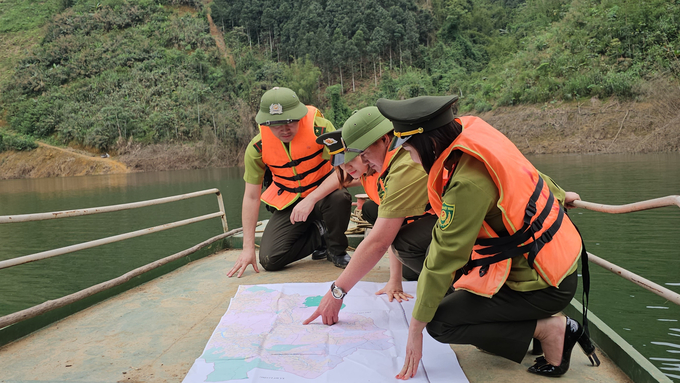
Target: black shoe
[[321, 253], [340, 260], [572, 333]]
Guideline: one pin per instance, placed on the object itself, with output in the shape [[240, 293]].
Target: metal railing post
[[220, 203], [657, 289]]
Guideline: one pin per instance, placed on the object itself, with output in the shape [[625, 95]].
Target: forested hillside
[[108, 74]]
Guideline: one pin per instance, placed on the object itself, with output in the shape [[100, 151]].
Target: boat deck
[[154, 332]]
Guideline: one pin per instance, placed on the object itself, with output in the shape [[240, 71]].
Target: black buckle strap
[[508, 247], [585, 277], [301, 176], [529, 212], [299, 160], [546, 237], [532, 248], [302, 189], [527, 231]]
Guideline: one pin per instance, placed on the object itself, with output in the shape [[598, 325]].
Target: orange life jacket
[[298, 170], [370, 183], [536, 224]]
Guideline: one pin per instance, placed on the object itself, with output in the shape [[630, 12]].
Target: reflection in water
[[64, 184], [646, 243]]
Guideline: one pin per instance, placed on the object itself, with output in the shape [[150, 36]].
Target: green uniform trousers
[[411, 243], [503, 324], [283, 243]]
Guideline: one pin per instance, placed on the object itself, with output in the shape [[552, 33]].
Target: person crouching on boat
[[504, 225], [310, 210], [400, 188], [372, 181]]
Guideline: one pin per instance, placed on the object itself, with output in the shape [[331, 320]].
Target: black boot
[[340, 260], [322, 251]]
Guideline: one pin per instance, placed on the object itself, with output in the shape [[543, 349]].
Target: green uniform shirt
[[474, 196], [405, 193], [254, 165]]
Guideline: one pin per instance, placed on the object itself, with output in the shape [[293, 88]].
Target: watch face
[[337, 292]]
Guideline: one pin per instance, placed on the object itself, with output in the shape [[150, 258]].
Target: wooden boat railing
[[60, 302], [82, 294], [672, 200]]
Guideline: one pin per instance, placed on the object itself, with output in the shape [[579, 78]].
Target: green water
[[647, 243]]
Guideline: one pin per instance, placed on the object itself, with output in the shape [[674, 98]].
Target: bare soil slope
[[593, 126], [51, 161]]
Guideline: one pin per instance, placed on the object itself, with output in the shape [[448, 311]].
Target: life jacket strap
[[299, 160], [529, 212], [302, 189], [525, 233], [532, 248], [502, 248], [301, 176]]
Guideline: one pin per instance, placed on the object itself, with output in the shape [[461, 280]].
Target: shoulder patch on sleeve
[[446, 216], [319, 130], [258, 146]]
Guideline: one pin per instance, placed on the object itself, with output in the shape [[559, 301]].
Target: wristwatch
[[337, 292]]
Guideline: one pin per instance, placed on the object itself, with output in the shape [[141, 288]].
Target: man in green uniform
[[310, 213]]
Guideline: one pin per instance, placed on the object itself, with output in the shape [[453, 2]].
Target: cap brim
[[293, 114], [349, 156], [368, 138], [398, 141], [338, 159]]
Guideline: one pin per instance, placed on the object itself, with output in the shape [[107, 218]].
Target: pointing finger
[[311, 318]]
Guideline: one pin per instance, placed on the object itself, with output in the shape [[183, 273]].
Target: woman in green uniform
[[402, 193], [502, 223]]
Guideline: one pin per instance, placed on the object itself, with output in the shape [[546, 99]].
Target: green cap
[[280, 106], [362, 129], [335, 145], [417, 115]]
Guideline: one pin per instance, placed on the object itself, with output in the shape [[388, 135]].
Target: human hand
[[394, 290], [414, 352], [247, 257], [301, 211], [570, 197], [328, 309]]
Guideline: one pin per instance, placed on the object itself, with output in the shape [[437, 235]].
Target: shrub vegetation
[[112, 71]]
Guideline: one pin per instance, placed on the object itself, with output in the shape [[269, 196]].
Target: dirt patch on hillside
[[595, 126], [584, 127], [51, 161], [197, 155]]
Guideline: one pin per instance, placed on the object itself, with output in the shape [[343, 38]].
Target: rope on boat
[[361, 223]]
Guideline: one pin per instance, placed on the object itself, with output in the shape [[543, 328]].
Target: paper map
[[261, 338]]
